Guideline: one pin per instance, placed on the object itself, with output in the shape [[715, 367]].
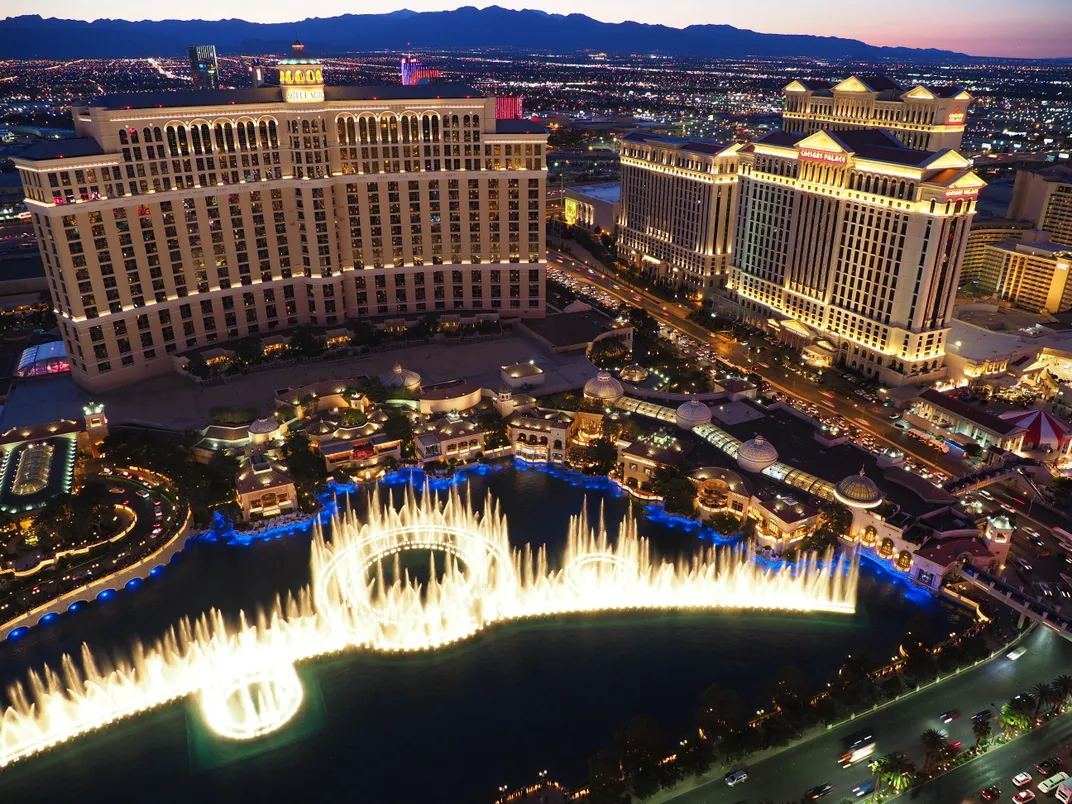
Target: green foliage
[[724, 523], [305, 343], [235, 416], [677, 491]]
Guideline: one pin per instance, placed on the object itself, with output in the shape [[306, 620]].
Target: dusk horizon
[[984, 32]]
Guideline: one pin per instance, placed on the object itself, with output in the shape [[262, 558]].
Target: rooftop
[[505, 126], [965, 411], [610, 192], [945, 552], [172, 99], [563, 330], [61, 149]]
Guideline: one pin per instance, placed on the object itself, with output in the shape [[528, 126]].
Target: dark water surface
[[449, 726]]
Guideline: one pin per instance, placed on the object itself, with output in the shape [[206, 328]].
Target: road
[[998, 766], [871, 417], [785, 776]]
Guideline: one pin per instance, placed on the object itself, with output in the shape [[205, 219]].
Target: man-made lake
[[449, 726]]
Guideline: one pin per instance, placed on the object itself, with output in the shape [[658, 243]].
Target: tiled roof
[[965, 411]]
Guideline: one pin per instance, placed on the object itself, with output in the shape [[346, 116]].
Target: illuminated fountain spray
[[363, 595]]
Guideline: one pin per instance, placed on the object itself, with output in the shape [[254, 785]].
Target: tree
[[898, 772], [724, 523], [604, 454], [1062, 692], [306, 466], [677, 491], [640, 744], [1016, 714], [934, 743], [305, 343], [1043, 694], [722, 711], [982, 730], [605, 778], [790, 686], [836, 519]]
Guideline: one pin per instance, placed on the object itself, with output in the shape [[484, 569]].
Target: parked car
[[992, 793], [1049, 766], [1023, 797], [1021, 779]]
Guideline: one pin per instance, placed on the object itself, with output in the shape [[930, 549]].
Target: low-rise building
[[782, 522], [640, 459], [449, 437], [453, 395], [942, 414], [265, 487], [540, 438], [594, 206]]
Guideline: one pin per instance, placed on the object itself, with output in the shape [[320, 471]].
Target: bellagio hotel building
[[182, 219]]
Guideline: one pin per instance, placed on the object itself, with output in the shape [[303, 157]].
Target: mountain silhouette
[[33, 36]]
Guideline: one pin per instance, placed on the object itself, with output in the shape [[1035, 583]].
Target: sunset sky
[[1026, 28]]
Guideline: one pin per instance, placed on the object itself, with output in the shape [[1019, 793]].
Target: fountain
[[362, 597]]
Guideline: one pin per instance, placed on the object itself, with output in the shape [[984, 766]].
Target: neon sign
[[816, 155], [962, 192], [955, 117]]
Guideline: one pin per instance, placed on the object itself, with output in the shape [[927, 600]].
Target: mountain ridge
[[34, 36]]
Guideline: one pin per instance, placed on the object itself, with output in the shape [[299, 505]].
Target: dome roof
[[633, 373], [858, 491], [604, 387], [399, 377], [692, 413], [264, 427], [756, 454]]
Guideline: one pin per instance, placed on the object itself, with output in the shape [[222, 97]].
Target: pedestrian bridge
[[1028, 606], [980, 478]]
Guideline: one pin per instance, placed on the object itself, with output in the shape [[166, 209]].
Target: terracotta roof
[[944, 552]]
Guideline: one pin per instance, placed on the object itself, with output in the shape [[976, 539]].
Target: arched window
[[476, 120], [466, 121], [362, 129], [319, 76], [241, 136], [251, 134], [272, 134], [385, 130], [124, 138], [426, 128], [157, 135], [405, 129], [147, 134], [195, 138], [263, 127], [454, 121], [206, 138], [134, 136], [299, 77], [435, 128]]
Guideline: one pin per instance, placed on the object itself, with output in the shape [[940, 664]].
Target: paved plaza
[[175, 402]]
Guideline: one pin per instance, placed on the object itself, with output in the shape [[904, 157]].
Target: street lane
[[785, 776], [998, 766], [872, 418]]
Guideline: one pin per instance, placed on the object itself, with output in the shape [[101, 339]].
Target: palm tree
[[982, 730], [899, 772], [934, 742], [879, 768], [1062, 691], [1043, 693]]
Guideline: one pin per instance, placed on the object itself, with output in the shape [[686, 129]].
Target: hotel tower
[[180, 219]]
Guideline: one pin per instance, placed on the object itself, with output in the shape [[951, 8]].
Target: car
[[1023, 564], [865, 789], [818, 792], [735, 777], [950, 716], [1015, 654], [953, 747], [143, 493], [983, 714], [1024, 797], [992, 793], [1049, 765], [1021, 779], [117, 490]]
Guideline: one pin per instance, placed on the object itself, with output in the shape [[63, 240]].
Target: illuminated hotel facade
[[183, 219], [851, 240], [923, 118], [678, 198]]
